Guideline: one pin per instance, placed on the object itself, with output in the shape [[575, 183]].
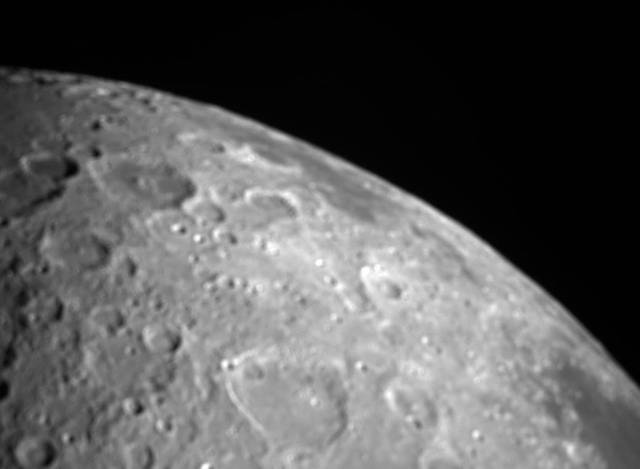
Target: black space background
[[511, 122]]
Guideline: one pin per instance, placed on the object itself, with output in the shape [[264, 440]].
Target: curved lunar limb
[[182, 287]]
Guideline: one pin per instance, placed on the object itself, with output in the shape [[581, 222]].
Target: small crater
[[373, 361], [217, 282], [160, 375], [270, 154], [203, 140], [393, 335], [413, 406], [390, 289], [173, 228], [67, 439], [380, 285], [124, 271], [179, 228], [270, 208], [44, 309], [8, 355], [140, 457], [148, 100], [82, 150], [77, 248], [102, 122], [5, 389], [96, 152], [164, 425], [108, 318], [132, 406], [297, 458], [160, 338], [207, 213], [47, 165], [33, 452], [46, 78], [253, 373], [225, 237]]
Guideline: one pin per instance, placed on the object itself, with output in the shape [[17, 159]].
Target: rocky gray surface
[[181, 287]]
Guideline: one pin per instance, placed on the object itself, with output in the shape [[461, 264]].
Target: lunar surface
[[181, 287]]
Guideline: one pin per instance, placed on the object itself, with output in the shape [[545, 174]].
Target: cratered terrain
[[181, 287]]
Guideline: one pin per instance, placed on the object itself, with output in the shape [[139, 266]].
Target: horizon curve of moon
[[182, 287]]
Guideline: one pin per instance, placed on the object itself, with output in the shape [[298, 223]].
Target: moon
[[182, 287]]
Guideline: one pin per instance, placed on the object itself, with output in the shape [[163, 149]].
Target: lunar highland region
[[185, 288]]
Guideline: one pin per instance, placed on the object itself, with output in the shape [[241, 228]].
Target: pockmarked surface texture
[[181, 287]]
